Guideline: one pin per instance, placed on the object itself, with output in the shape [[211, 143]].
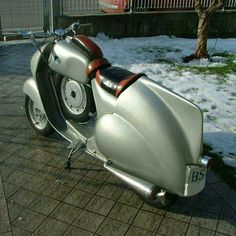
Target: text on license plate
[[197, 175]]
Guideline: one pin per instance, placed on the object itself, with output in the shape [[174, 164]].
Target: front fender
[[30, 88]]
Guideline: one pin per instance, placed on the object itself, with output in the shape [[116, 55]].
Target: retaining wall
[[181, 24]]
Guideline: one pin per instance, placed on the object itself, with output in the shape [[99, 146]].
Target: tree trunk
[[201, 51]]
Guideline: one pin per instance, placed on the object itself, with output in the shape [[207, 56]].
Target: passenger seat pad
[[115, 80]]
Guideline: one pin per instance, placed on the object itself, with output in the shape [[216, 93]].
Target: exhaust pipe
[[143, 187]]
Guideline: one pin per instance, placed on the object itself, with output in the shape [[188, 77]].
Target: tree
[[203, 16]]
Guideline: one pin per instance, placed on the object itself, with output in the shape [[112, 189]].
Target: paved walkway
[[44, 199]]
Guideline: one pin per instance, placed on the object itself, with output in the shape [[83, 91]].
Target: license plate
[[197, 175]]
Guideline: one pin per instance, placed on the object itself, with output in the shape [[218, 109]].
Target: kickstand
[[68, 163], [74, 147]]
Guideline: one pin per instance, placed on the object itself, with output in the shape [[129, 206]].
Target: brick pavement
[[45, 199]]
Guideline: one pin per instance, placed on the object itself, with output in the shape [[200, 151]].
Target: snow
[[213, 93]]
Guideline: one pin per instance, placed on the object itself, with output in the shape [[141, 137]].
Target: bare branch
[[214, 6], [198, 7]]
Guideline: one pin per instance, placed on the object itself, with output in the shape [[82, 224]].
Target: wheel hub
[[37, 116], [73, 96]]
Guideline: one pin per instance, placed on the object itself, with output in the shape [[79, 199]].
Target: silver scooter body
[[148, 136]]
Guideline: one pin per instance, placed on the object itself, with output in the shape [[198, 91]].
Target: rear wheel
[[37, 118], [76, 100]]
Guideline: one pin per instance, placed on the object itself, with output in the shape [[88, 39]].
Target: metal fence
[[18, 14], [72, 6], [39, 14], [175, 4]]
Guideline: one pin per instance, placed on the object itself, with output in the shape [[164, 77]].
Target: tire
[[38, 121], [76, 100]]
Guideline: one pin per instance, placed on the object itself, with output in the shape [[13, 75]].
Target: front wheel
[[37, 118]]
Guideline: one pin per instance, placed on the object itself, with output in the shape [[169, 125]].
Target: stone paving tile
[[205, 219], [123, 213], [50, 172], [130, 198], [69, 179], [209, 191], [66, 213], [57, 190], [209, 203], [81, 168], [6, 171], [23, 197], [147, 220], [189, 201], [153, 209], [51, 227], [228, 211], [4, 218], [4, 156], [172, 227], [88, 221], [112, 227], [15, 162], [220, 234], [180, 212], [19, 178], [78, 198], [12, 147], [29, 220], [73, 231], [10, 189], [111, 190], [100, 205], [194, 230], [98, 172], [227, 226], [26, 151], [89, 185], [226, 192], [43, 156], [32, 167], [17, 231], [7, 234], [14, 211], [212, 177], [37, 184], [43, 205], [87, 158], [135, 231]]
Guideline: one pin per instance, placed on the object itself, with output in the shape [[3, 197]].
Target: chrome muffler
[[146, 189]]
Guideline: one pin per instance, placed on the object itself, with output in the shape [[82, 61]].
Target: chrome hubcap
[[73, 96], [38, 118]]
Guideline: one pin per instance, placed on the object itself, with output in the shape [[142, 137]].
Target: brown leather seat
[[88, 47], [115, 80]]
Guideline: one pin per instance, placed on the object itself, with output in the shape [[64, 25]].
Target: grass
[[159, 53], [226, 172], [229, 67]]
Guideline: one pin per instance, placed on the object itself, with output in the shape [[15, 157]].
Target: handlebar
[[59, 33]]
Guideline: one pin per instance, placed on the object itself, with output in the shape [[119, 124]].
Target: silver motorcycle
[[145, 134]]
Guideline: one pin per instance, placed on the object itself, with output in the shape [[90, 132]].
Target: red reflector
[[206, 161]]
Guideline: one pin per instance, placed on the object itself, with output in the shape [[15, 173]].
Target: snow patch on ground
[[214, 94]]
